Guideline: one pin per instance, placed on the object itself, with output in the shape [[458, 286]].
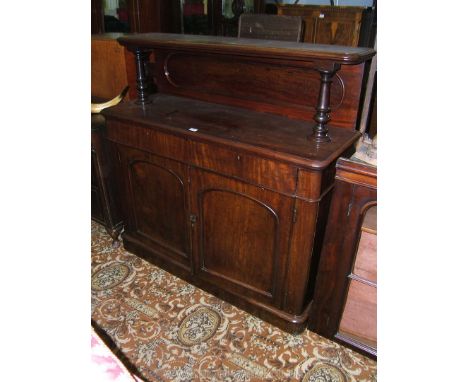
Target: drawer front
[[264, 172], [147, 139], [272, 174]]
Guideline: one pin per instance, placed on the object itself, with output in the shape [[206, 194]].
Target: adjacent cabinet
[[352, 26], [104, 206], [345, 307]]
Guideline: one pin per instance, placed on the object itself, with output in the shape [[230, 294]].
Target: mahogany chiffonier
[[345, 301], [226, 172]]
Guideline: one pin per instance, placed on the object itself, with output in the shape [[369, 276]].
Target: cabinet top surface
[[250, 47], [273, 136]]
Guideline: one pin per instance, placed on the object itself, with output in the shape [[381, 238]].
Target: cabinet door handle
[[193, 219]]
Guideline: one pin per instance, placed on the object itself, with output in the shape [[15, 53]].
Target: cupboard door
[[157, 203], [242, 235]]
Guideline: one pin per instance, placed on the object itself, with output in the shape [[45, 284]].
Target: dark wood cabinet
[[105, 208], [345, 303], [333, 25], [97, 17], [216, 17], [137, 16], [229, 191], [154, 16], [239, 223], [97, 209]]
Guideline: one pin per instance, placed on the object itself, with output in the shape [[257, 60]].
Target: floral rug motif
[[172, 331]]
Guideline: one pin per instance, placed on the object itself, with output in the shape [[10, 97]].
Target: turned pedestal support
[[322, 115], [142, 87]]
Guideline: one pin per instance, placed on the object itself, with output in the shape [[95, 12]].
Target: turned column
[[322, 115], [142, 87]]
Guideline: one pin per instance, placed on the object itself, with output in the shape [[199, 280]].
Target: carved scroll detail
[[166, 70], [342, 85]]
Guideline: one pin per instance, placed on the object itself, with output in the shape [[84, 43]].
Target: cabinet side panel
[[302, 240]]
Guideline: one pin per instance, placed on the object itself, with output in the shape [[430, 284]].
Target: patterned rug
[[170, 330]]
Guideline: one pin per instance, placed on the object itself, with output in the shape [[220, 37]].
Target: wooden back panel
[[278, 77], [257, 84]]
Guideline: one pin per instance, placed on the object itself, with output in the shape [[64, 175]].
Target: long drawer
[[263, 172], [147, 139], [272, 174]]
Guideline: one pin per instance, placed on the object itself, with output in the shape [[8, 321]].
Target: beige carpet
[[171, 331]]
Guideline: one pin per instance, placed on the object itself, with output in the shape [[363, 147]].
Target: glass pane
[[227, 9], [359, 320], [365, 265], [115, 16], [195, 16], [234, 8], [249, 6], [370, 220]]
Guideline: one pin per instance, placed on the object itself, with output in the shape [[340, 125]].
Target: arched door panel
[[158, 203], [242, 235]]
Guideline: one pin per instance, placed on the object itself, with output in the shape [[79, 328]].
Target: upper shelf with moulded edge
[[243, 46]]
